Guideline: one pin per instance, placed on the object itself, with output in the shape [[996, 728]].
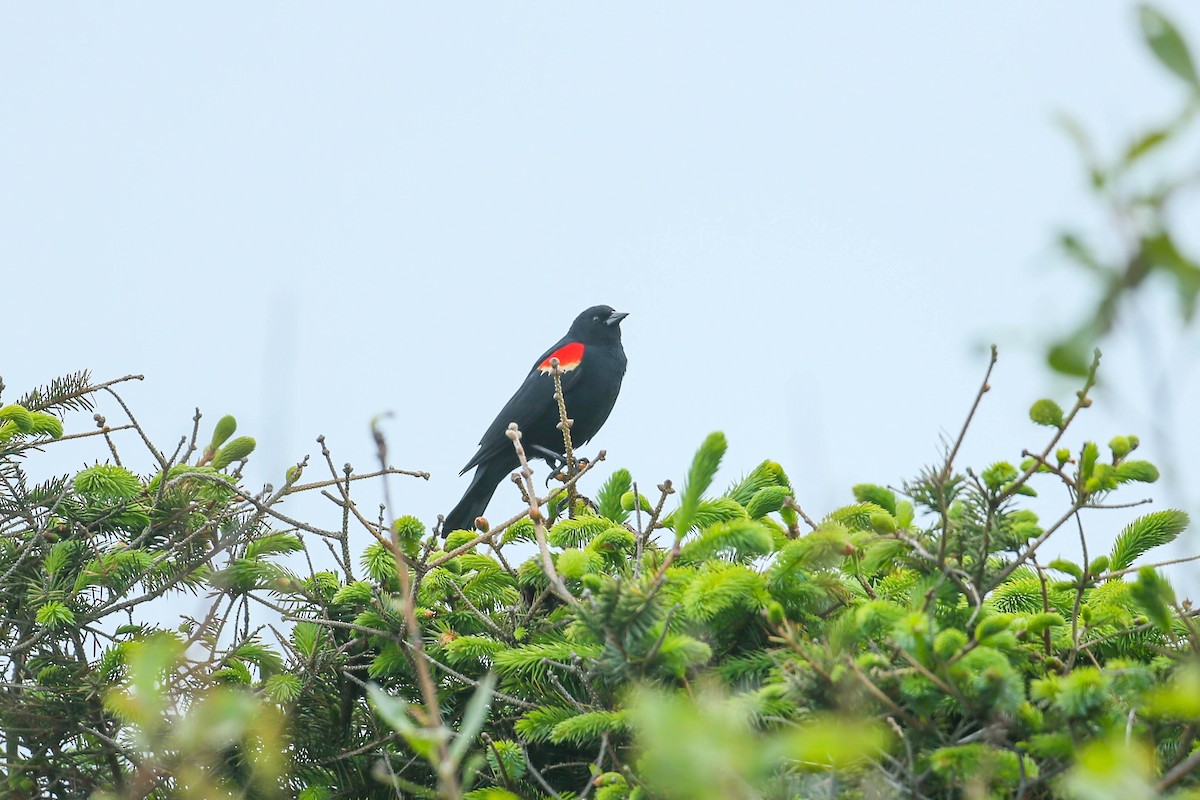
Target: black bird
[[593, 363]]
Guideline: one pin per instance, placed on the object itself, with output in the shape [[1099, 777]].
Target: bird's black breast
[[590, 399]]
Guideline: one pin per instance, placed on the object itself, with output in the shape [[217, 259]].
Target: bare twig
[[535, 514]]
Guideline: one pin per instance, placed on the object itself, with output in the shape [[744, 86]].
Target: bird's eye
[[595, 319]]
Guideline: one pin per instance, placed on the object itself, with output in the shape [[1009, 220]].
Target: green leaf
[[61, 555], [678, 654], [1159, 252], [47, 424], [380, 563], [1144, 144], [1087, 461], [881, 496], [19, 416], [267, 660], [572, 563], [1168, 45], [358, 592], [1155, 596], [767, 500], [273, 543], [1139, 471], [108, 482], [999, 474], [1077, 250], [283, 687], [608, 499], [1072, 355], [710, 512], [1069, 567], [856, 517], [236, 450], [538, 724], [1143, 534], [1040, 622], [700, 477], [577, 532], [768, 473], [54, 614], [394, 712], [307, 637], [224, 428], [825, 547], [473, 717], [1046, 412], [588, 727], [741, 539]]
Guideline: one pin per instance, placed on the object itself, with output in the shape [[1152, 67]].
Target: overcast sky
[[818, 216]]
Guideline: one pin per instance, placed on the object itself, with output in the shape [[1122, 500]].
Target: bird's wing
[[533, 400]]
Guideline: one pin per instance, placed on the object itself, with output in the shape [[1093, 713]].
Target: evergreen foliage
[[911, 643]]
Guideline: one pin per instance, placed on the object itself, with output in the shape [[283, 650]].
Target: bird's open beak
[[616, 317]]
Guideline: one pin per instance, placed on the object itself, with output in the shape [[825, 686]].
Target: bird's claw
[[558, 472]]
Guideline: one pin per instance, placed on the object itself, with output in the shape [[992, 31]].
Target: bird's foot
[[561, 474], [556, 461]]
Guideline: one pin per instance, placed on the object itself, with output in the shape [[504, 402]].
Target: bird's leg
[[558, 464], [555, 460]]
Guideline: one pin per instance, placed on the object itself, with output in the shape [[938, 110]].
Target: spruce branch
[[1082, 401], [948, 465], [790, 502]]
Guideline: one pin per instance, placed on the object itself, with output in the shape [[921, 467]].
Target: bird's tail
[[483, 485]]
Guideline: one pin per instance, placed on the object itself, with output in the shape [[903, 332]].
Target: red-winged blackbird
[[593, 363]]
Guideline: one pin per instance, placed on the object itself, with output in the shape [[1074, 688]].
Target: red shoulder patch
[[569, 357]]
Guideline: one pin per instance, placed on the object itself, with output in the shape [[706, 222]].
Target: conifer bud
[[775, 613], [948, 642], [767, 500], [991, 626], [19, 416], [1140, 471], [882, 522], [1119, 446], [455, 540], [572, 563], [47, 424], [482, 525], [627, 502], [236, 450], [224, 428], [1046, 412], [1040, 622]]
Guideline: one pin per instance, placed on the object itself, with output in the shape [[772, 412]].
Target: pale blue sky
[[307, 214]]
